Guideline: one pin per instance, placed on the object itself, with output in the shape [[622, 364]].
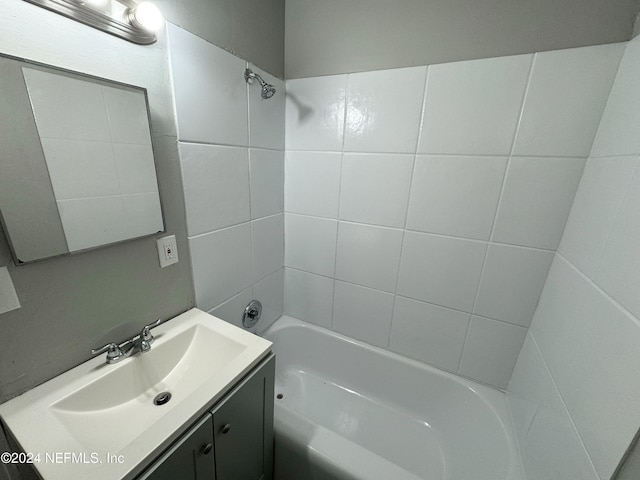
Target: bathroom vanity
[[197, 405]]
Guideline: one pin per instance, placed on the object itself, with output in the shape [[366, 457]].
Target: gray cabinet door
[[243, 429], [191, 458]]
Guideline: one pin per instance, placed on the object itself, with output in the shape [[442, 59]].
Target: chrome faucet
[[140, 343]]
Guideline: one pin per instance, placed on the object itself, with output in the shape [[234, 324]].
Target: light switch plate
[[167, 250]]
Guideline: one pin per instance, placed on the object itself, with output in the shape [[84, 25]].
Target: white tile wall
[[455, 195], [209, 90], [537, 197], [428, 333], [617, 134], [512, 282], [472, 107], [565, 100], [491, 350], [619, 269], [221, 263], [266, 116], [450, 186], [590, 345], [268, 245], [312, 183], [549, 442], [308, 296], [270, 292], [266, 182], [362, 313], [441, 270], [383, 110], [216, 186], [311, 244], [375, 188], [232, 158], [575, 387], [315, 113], [368, 255], [602, 189]]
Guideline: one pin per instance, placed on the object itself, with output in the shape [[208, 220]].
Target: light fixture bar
[[77, 10]]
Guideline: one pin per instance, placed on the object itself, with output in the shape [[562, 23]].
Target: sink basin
[[98, 411]]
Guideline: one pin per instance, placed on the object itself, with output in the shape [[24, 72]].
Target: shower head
[[267, 90]]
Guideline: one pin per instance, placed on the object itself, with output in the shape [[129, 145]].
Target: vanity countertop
[[98, 421]]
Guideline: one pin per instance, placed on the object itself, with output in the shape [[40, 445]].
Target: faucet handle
[[112, 349], [145, 334]]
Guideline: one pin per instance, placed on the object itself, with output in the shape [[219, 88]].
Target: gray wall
[[74, 303], [250, 29], [333, 36]]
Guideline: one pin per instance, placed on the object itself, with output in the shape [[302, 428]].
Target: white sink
[[98, 411]]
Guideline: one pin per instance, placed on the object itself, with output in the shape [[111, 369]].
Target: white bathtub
[[352, 411]]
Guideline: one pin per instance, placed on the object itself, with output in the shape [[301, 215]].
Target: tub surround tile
[[441, 270], [267, 240], [205, 114], [267, 182], [216, 190], [590, 345], [542, 423], [491, 351], [232, 309], [368, 255], [472, 107], [618, 131], [536, 200], [266, 116], [312, 183], [374, 188], [511, 284], [565, 100], [270, 292], [221, 263], [362, 313], [383, 110], [454, 195], [619, 270], [315, 113], [431, 334], [529, 385], [311, 244], [308, 297], [603, 187]]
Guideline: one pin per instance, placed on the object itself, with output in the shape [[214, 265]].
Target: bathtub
[[345, 410]]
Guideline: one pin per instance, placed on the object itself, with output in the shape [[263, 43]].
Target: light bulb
[[146, 16]]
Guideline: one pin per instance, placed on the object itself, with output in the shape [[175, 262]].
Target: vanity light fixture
[[127, 19]]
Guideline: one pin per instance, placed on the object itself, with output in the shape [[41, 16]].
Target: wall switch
[[167, 250]]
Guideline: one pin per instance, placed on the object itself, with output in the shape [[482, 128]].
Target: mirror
[[77, 169]]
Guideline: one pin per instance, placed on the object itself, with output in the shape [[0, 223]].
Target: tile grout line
[[499, 205], [344, 135], [406, 215], [564, 404]]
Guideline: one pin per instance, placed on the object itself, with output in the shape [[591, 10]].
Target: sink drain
[[162, 398]]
